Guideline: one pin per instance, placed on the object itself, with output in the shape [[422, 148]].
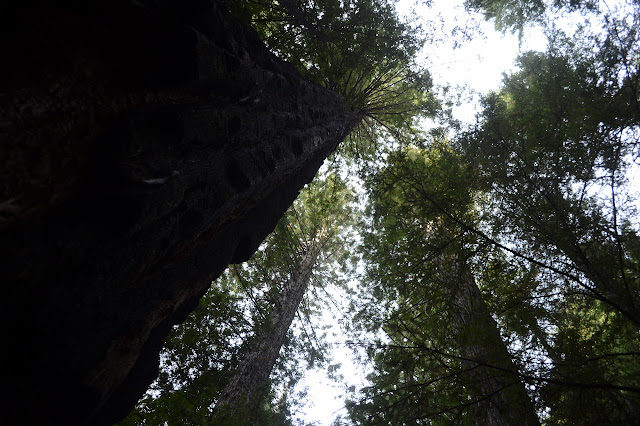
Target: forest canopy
[[488, 274]]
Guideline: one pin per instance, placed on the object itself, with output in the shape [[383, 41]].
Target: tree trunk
[[607, 278], [144, 145], [243, 390], [499, 392]]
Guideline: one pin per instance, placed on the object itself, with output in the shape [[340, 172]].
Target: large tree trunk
[[143, 146], [239, 396], [490, 375]]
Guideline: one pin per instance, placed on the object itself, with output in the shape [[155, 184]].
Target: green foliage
[[358, 49], [552, 148], [509, 14], [535, 199], [201, 354], [197, 358], [515, 15], [438, 333], [531, 207], [599, 350]]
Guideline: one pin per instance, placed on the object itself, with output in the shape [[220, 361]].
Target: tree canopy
[[515, 15], [361, 50], [501, 264], [441, 359], [534, 200]]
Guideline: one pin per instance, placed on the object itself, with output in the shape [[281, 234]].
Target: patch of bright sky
[[467, 52], [476, 63]]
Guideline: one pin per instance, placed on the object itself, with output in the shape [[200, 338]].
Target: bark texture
[[253, 371], [490, 374], [144, 145]]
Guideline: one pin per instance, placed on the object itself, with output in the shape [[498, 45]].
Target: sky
[[477, 64]]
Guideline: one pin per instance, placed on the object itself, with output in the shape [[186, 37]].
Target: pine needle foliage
[[361, 50]]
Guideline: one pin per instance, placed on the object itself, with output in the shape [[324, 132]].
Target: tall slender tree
[[553, 149], [312, 228], [444, 360], [225, 353], [491, 375], [239, 396]]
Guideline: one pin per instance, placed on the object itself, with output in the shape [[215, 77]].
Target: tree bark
[[490, 375], [144, 145], [242, 391]]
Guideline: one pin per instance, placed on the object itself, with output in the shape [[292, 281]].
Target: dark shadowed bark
[[144, 145], [242, 391]]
